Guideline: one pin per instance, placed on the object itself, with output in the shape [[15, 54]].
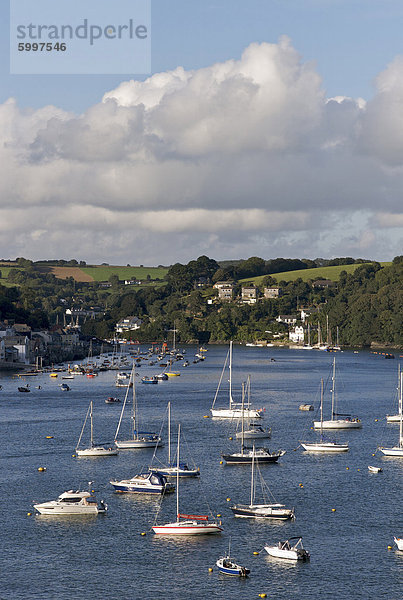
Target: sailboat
[[234, 410], [253, 430], [395, 418], [323, 445], [172, 470], [337, 421], [261, 511], [93, 450], [247, 455], [397, 450], [138, 439], [173, 353], [186, 524]]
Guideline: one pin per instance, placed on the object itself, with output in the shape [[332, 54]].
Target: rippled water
[[107, 557]]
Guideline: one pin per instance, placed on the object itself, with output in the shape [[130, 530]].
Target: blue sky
[[266, 128], [350, 40]]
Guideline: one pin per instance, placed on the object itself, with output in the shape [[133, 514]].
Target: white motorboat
[[72, 503], [289, 550], [324, 445], [137, 439], [94, 449], [261, 511], [234, 410], [373, 469], [397, 451], [399, 543], [186, 524], [150, 482], [337, 420]]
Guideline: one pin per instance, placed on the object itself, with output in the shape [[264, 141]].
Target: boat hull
[[281, 553], [396, 451], [174, 472], [338, 424], [252, 434], [235, 413], [138, 443], [262, 511], [100, 451], [234, 569], [324, 447], [393, 418], [240, 458], [187, 528]]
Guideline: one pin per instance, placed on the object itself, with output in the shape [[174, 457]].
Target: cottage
[[287, 319], [272, 292], [249, 294], [128, 324], [225, 289]]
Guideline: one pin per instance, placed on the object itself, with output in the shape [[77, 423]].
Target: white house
[[128, 324], [297, 335]]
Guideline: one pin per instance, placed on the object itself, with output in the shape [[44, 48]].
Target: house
[[297, 335], [272, 292], [249, 294], [322, 284], [307, 312], [225, 289], [287, 319], [128, 324], [132, 282]]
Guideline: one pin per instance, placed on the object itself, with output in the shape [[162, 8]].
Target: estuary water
[[346, 515]]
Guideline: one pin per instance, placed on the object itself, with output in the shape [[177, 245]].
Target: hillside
[[331, 273]]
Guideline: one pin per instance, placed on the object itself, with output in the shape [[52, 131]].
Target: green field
[[102, 273], [331, 273]]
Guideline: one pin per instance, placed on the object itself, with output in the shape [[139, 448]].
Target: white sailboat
[[234, 410], [172, 470], [261, 511], [323, 445], [186, 524], [94, 449], [337, 421], [138, 439], [395, 418], [397, 450]]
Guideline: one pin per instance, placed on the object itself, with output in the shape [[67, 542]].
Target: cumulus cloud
[[245, 157]]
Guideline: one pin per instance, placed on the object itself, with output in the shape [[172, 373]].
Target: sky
[[265, 128]]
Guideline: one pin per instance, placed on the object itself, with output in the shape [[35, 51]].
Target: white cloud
[[246, 157]]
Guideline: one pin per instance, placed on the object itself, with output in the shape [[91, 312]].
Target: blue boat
[[227, 566], [150, 483], [152, 379]]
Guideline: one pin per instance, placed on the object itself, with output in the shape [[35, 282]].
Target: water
[[107, 557]]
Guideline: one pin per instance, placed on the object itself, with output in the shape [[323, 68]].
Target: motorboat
[[337, 420], [254, 431], [24, 388], [93, 449], [112, 400], [234, 410], [372, 469], [149, 482], [399, 543], [152, 379], [73, 503], [228, 566], [186, 524], [308, 407], [266, 510], [289, 550]]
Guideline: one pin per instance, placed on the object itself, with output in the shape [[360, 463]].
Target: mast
[[177, 476], [230, 374], [92, 431], [252, 481], [242, 416], [333, 387], [124, 402], [321, 409], [401, 411], [169, 433]]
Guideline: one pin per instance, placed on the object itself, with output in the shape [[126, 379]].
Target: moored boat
[[72, 503], [150, 482], [289, 550]]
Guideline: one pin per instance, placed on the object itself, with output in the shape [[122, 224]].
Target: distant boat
[[289, 550], [112, 400], [93, 450], [152, 379], [234, 410], [64, 387], [24, 388], [137, 439], [228, 566], [374, 469], [337, 420], [187, 524], [397, 451]]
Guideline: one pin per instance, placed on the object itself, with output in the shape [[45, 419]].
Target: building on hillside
[[287, 319], [249, 294], [132, 282], [128, 324], [322, 284], [272, 292], [307, 312], [225, 290], [297, 335]]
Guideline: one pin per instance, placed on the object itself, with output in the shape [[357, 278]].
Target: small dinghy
[[227, 566], [372, 469], [289, 550], [24, 388]]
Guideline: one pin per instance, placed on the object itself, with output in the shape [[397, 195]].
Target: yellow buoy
[[376, 420], [358, 469], [333, 510], [228, 499], [210, 570], [73, 455], [142, 533], [262, 595], [218, 516], [256, 553], [230, 438], [49, 437], [29, 514], [41, 469], [206, 416], [221, 462], [347, 468], [389, 547]]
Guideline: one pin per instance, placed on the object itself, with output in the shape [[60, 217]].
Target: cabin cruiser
[[72, 503]]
